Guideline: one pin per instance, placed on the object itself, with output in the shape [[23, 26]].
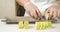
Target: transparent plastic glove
[[32, 10], [54, 11]]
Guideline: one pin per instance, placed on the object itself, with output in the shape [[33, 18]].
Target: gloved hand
[[54, 11], [32, 10]]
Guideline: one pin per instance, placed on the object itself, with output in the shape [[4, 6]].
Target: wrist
[[26, 4]]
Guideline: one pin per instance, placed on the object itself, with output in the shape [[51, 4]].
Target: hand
[[54, 11], [33, 10]]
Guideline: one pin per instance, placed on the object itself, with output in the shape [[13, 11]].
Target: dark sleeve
[[20, 11]]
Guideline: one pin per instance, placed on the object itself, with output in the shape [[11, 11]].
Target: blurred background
[[10, 8]]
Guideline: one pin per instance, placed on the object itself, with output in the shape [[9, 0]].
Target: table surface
[[14, 28]]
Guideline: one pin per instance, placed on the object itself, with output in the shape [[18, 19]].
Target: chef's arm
[[22, 2], [58, 2]]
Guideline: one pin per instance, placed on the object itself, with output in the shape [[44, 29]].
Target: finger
[[51, 13], [35, 14], [58, 13], [38, 12], [47, 10], [31, 14], [55, 14]]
